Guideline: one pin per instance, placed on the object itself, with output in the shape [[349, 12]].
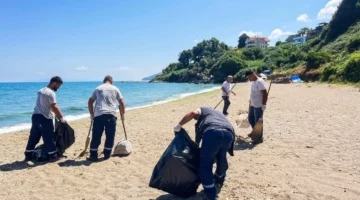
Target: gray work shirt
[[106, 96], [45, 98]]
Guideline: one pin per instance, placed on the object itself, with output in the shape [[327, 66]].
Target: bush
[[315, 59], [328, 74], [354, 43], [228, 64], [253, 53], [314, 42], [352, 68]]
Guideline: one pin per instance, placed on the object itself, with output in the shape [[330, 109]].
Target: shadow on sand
[[20, 165], [242, 143]]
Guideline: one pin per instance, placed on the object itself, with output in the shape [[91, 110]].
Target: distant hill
[[149, 78], [332, 55]]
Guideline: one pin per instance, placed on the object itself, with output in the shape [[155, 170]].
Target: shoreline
[[72, 118]]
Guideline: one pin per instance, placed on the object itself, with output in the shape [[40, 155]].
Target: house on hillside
[[261, 42], [317, 31], [299, 38]]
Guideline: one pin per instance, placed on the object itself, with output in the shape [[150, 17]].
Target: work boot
[[209, 194], [258, 141], [106, 157], [53, 157], [107, 154], [204, 197], [218, 187], [28, 156], [92, 159]]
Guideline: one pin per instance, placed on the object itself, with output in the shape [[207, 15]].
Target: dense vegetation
[[333, 55]]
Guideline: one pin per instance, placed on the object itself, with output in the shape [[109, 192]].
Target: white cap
[[230, 76]]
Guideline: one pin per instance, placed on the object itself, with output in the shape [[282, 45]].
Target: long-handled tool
[[124, 147], [223, 99], [258, 128], [87, 140], [124, 129]]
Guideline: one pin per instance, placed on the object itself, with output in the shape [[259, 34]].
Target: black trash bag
[[64, 138], [177, 170]]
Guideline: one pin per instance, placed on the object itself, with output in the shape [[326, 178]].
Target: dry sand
[[311, 151]]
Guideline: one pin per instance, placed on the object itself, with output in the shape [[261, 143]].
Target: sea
[[17, 100]]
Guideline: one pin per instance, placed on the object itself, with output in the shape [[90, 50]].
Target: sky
[[86, 40]]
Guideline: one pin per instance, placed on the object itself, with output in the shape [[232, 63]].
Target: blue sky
[[85, 40]]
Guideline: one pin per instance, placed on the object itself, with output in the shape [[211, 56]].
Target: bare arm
[[265, 96], [122, 106], [91, 106], [188, 117], [55, 108]]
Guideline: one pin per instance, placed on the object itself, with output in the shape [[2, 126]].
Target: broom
[[258, 128], [87, 140], [223, 99]]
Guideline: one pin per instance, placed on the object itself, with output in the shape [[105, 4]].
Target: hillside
[[149, 78], [332, 56]]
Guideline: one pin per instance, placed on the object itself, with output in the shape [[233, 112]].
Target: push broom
[[87, 140]]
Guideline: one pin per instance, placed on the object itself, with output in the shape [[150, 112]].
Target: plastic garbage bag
[[177, 170]]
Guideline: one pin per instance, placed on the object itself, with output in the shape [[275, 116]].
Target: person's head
[[251, 76], [55, 83], [108, 79], [229, 79]]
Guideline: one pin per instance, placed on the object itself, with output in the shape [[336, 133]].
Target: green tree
[[303, 30], [185, 57], [242, 39]]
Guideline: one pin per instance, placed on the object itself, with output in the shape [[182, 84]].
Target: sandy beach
[[311, 151]]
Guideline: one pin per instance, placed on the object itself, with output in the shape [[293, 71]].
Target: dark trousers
[[215, 144], [107, 122], [41, 127], [226, 104], [254, 115]]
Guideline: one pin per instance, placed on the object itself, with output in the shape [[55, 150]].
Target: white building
[[261, 42], [300, 38]]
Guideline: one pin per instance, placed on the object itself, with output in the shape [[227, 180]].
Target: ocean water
[[17, 100]]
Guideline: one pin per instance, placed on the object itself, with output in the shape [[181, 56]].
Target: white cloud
[[81, 68], [303, 18], [328, 11], [278, 33], [40, 73], [119, 69], [196, 41], [250, 33]]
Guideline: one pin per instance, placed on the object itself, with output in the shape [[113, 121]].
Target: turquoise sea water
[[17, 100]]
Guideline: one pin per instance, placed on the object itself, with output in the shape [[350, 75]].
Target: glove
[[63, 120], [177, 128], [91, 117], [122, 116], [263, 107]]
